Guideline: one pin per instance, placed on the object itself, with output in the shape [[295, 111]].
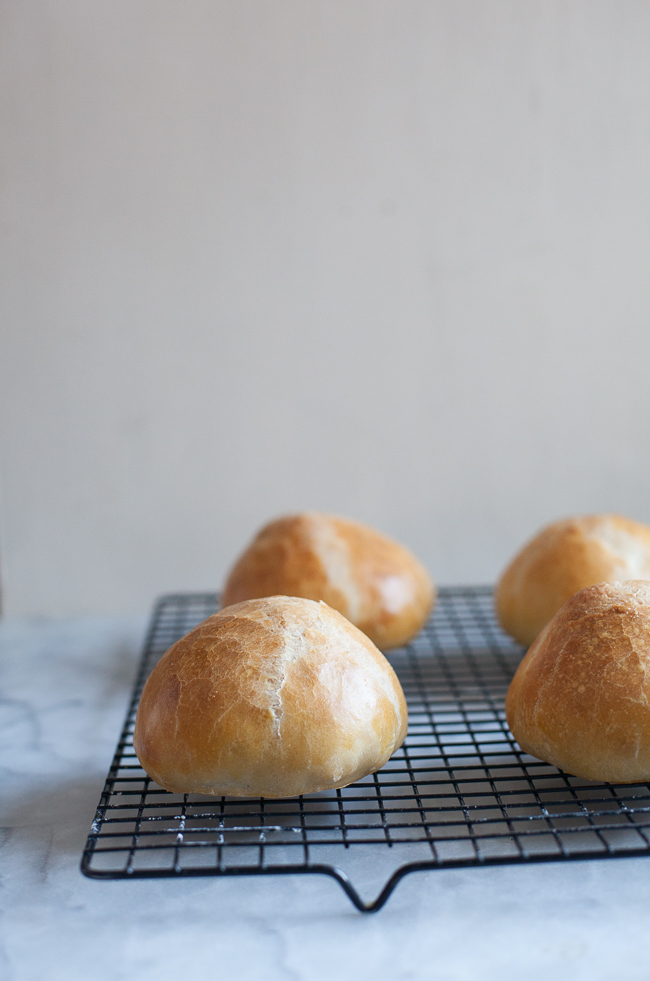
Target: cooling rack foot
[[383, 896]]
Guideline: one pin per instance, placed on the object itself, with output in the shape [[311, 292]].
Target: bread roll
[[581, 696], [269, 698], [369, 578], [563, 558]]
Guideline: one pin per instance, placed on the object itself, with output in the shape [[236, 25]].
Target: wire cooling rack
[[459, 792]]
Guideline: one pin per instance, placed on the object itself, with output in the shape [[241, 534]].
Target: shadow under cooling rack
[[458, 793]]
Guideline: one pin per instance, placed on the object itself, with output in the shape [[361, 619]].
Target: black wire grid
[[459, 792]]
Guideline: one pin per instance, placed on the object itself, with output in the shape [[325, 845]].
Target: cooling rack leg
[[396, 877], [352, 893], [347, 887]]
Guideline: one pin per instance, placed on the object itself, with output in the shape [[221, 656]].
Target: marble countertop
[[64, 687]]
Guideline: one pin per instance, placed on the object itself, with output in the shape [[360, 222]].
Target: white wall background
[[386, 258]]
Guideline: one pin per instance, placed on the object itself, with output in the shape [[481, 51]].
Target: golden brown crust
[[269, 698], [372, 580], [563, 558], [581, 696]]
